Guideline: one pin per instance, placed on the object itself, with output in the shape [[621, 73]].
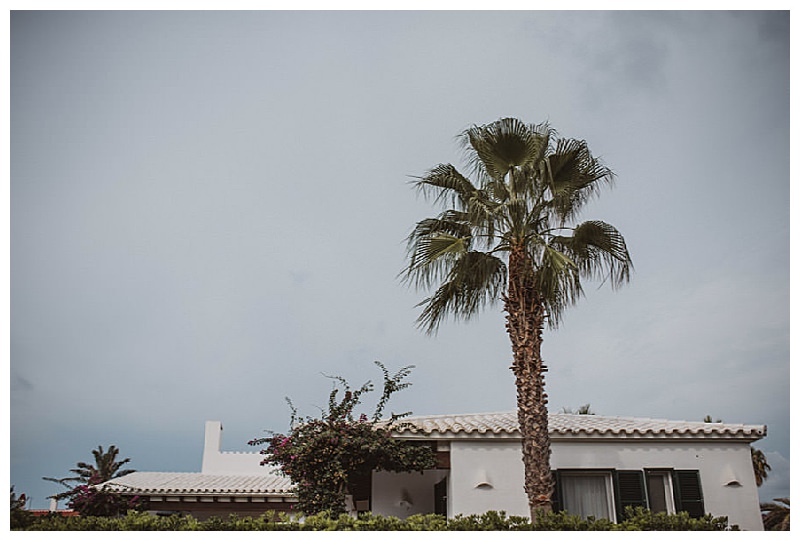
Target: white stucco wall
[[488, 474], [216, 462], [719, 463], [498, 463], [404, 494]]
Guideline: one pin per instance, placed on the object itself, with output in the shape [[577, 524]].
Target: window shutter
[[629, 491], [688, 494], [555, 500]]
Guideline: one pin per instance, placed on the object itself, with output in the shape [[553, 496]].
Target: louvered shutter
[[688, 493], [628, 491]]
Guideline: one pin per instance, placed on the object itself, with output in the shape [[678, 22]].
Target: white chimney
[[212, 445]]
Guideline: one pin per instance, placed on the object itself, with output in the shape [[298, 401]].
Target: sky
[[208, 213]]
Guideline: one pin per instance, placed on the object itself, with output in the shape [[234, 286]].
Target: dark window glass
[[657, 493]]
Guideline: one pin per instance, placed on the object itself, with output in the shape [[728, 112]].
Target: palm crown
[[105, 467], [530, 185]]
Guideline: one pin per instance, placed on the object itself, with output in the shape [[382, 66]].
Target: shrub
[[19, 517], [635, 519], [325, 458], [89, 501]]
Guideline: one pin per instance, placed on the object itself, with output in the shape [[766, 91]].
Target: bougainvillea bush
[[89, 501], [325, 457]]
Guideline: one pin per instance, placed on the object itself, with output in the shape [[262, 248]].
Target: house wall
[[404, 494], [216, 462], [488, 475], [719, 464]]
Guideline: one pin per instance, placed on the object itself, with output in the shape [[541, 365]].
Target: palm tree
[[105, 467], [507, 236], [760, 466], [776, 517], [586, 409]]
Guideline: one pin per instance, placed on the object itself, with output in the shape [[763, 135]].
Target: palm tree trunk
[[524, 324]]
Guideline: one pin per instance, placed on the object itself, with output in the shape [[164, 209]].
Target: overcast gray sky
[[208, 211]]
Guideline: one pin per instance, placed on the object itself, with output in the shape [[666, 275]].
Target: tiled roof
[[200, 483], [504, 424]]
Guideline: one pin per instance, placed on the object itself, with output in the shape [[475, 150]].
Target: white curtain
[[585, 495]]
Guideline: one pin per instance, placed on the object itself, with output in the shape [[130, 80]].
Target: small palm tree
[[775, 516], [17, 502], [586, 409], [105, 467], [760, 466], [509, 236]]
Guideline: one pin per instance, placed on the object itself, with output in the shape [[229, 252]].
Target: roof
[[61, 512], [167, 483], [571, 426]]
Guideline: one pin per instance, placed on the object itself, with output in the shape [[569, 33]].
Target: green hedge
[[636, 519]]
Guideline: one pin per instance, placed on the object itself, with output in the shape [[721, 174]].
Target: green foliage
[[105, 467], [636, 520], [776, 516], [326, 457], [20, 518], [564, 522], [489, 521], [89, 501], [586, 409], [761, 467], [528, 186]]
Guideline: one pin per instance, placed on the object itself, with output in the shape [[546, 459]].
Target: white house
[[229, 482], [601, 465]]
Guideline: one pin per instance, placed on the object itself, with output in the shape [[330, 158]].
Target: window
[[588, 494], [606, 494], [659, 491]]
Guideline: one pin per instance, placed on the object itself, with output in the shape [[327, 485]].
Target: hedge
[[636, 519]]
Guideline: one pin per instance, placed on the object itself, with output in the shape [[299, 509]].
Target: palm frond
[[599, 250], [445, 183], [557, 281], [475, 280], [494, 149], [761, 467], [506, 156], [574, 177], [451, 222], [516, 217], [776, 517], [432, 257]]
